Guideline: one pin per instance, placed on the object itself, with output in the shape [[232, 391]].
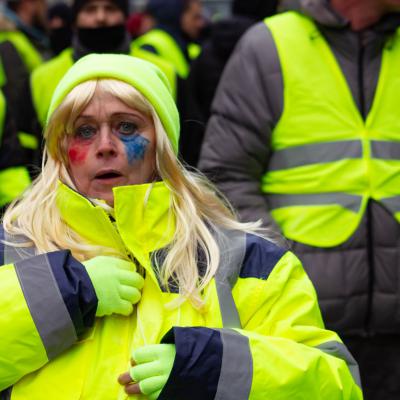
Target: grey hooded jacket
[[358, 282]]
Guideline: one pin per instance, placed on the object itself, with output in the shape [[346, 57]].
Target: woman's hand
[[151, 367], [116, 284]]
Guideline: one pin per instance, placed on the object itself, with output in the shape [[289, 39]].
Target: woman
[[204, 305]]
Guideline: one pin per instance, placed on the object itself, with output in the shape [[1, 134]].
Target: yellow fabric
[[319, 108], [166, 48], [13, 181], [28, 140], [16, 321], [30, 56]]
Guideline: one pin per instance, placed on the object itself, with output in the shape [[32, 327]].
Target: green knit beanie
[[140, 74]]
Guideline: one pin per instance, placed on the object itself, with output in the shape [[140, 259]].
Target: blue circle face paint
[[135, 147]]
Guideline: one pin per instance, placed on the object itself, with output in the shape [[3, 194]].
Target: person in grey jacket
[[356, 273]]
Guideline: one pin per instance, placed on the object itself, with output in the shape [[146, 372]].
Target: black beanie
[[78, 4]]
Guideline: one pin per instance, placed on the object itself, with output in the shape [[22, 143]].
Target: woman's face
[[112, 145]]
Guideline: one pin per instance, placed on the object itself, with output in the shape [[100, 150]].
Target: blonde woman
[[126, 276]]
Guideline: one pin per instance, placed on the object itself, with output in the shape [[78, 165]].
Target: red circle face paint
[[77, 153]]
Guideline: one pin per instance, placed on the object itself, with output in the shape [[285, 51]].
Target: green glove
[[116, 284], [154, 365]]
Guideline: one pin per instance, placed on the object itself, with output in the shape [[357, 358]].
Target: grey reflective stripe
[[232, 246], [46, 305], [236, 374], [14, 254], [391, 203], [316, 153], [349, 201], [339, 350], [385, 150]]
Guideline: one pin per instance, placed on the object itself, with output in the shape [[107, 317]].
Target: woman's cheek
[[77, 153], [135, 147]]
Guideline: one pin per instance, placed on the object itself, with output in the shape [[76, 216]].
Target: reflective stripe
[[339, 350], [385, 150], [349, 201], [308, 154], [13, 254], [46, 304], [232, 245], [236, 374], [391, 203]]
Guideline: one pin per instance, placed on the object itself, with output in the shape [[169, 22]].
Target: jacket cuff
[[197, 364]]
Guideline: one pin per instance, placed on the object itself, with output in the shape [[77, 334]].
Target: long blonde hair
[[195, 202]]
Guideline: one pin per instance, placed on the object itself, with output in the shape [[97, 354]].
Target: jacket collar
[[143, 220]]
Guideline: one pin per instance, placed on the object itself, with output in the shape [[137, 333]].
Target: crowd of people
[[200, 207]]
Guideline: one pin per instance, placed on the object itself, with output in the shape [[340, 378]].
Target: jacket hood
[[322, 12]]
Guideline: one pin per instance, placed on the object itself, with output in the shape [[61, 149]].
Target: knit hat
[[141, 74], [78, 4]]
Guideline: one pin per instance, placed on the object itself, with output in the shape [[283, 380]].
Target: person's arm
[[247, 105], [47, 302], [282, 351]]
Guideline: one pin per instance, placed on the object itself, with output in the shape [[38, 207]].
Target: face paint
[[77, 153], [135, 147]]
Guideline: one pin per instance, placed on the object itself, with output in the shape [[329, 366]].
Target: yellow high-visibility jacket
[[260, 336]]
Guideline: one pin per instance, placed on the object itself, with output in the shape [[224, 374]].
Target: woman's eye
[[127, 128], [85, 132]]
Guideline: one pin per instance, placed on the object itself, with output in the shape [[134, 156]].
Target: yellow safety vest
[[327, 162], [26, 50], [168, 49], [45, 79]]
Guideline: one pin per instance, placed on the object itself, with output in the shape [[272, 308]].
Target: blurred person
[[178, 24], [139, 23], [305, 136], [23, 23], [98, 27], [124, 276], [206, 70], [60, 27], [14, 176]]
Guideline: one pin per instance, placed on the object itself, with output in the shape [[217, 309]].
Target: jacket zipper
[[369, 238]]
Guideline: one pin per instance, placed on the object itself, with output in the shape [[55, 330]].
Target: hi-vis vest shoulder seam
[[327, 162]]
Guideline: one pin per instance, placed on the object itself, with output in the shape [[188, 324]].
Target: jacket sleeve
[[282, 351], [247, 105], [47, 302]]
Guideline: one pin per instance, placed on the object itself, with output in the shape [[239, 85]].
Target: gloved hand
[[153, 367], [116, 284]]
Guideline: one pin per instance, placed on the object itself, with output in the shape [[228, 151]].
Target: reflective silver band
[[46, 304], [236, 368], [317, 153], [339, 350], [391, 203], [14, 254], [385, 150], [349, 201], [232, 246]]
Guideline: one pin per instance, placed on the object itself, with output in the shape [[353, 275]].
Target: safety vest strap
[[349, 201], [385, 150]]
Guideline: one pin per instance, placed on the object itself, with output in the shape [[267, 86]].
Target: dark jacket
[[356, 281], [202, 82]]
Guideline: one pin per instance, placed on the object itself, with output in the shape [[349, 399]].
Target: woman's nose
[[107, 145]]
